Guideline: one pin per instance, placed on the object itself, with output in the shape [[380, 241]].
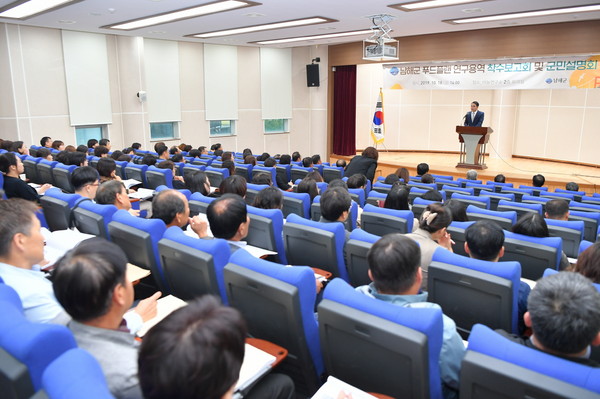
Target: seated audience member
[[471, 174], [422, 169], [316, 159], [187, 148], [116, 154], [216, 147], [129, 151], [203, 150], [227, 156], [308, 185], [70, 148], [364, 164], [174, 150], [338, 183], [85, 181], [458, 209], [82, 148], [91, 284], [5, 144], [296, 157], [280, 180], [178, 182], [163, 152], [246, 152], [77, 158], [432, 234], [113, 192], [58, 145], [204, 343], [588, 263], [499, 178], [403, 174], [172, 207], [157, 145], [340, 163], [432, 195], [46, 142], [335, 206], [62, 157], [538, 180], [124, 158], [397, 279], [198, 183], [316, 176], [307, 162], [397, 198], [250, 160], [44, 153], [100, 151], [149, 160], [92, 143], [557, 209], [427, 179], [230, 166], [234, 185], [217, 153], [228, 219], [107, 168], [136, 146], [194, 153], [262, 178], [182, 147], [105, 143], [268, 198], [285, 159], [178, 158], [533, 225], [357, 181], [572, 186], [12, 167], [20, 148], [391, 179], [564, 317], [484, 240]]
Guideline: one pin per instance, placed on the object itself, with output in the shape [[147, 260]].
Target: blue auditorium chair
[[505, 219], [216, 175], [382, 221], [158, 177], [266, 231], [57, 208], [479, 201], [355, 253], [198, 203], [535, 254], [519, 207], [92, 218], [496, 197], [296, 203], [571, 232]]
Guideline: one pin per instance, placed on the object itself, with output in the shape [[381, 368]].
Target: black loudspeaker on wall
[[312, 75]]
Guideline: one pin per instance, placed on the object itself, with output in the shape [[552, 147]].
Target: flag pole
[[383, 111]]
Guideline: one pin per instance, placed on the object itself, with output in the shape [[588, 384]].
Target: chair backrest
[[495, 367], [44, 171], [35, 345], [591, 221], [536, 190], [382, 221], [577, 195], [136, 172], [284, 172], [590, 200], [198, 203], [519, 207], [505, 219], [444, 182], [554, 195], [424, 186], [193, 267], [518, 192], [475, 291], [244, 170], [57, 208], [375, 197], [299, 172], [479, 188], [296, 203], [458, 190], [189, 170], [266, 231], [121, 165], [379, 346], [464, 181], [571, 232], [139, 240], [92, 218], [419, 205], [496, 197], [183, 191], [457, 232], [271, 171], [315, 244], [535, 254], [278, 304], [357, 195], [481, 202], [158, 177], [252, 191], [75, 374], [216, 175], [381, 187], [355, 254], [62, 176], [332, 172], [30, 165], [532, 199], [583, 207]]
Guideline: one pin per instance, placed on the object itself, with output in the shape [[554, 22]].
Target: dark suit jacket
[[478, 119], [361, 165]]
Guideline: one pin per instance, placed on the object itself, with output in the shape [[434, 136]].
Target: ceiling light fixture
[[526, 14], [315, 37], [186, 13], [22, 10], [258, 28], [424, 4]]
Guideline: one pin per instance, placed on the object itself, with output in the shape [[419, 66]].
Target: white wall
[[553, 124], [34, 101]]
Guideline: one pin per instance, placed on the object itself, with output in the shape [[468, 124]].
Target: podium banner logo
[[570, 72]]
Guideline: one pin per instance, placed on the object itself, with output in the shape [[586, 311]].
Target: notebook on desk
[[332, 388], [142, 193], [164, 307], [256, 364]]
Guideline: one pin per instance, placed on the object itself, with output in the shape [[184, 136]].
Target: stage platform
[[517, 170]]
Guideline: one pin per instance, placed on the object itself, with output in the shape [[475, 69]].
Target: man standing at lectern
[[475, 117]]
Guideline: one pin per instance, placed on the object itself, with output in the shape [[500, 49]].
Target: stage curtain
[[344, 110]]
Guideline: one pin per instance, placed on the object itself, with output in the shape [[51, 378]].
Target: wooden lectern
[[472, 146]]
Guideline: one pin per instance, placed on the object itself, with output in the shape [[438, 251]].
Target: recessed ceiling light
[[257, 28], [316, 37], [158, 32], [22, 10], [472, 10], [67, 22], [327, 28], [254, 15], [96, 14], [186, 13], [424, 4], [526, 14]]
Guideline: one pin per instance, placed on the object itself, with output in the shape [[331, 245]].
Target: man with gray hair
[[471, 174], [564, 316]]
